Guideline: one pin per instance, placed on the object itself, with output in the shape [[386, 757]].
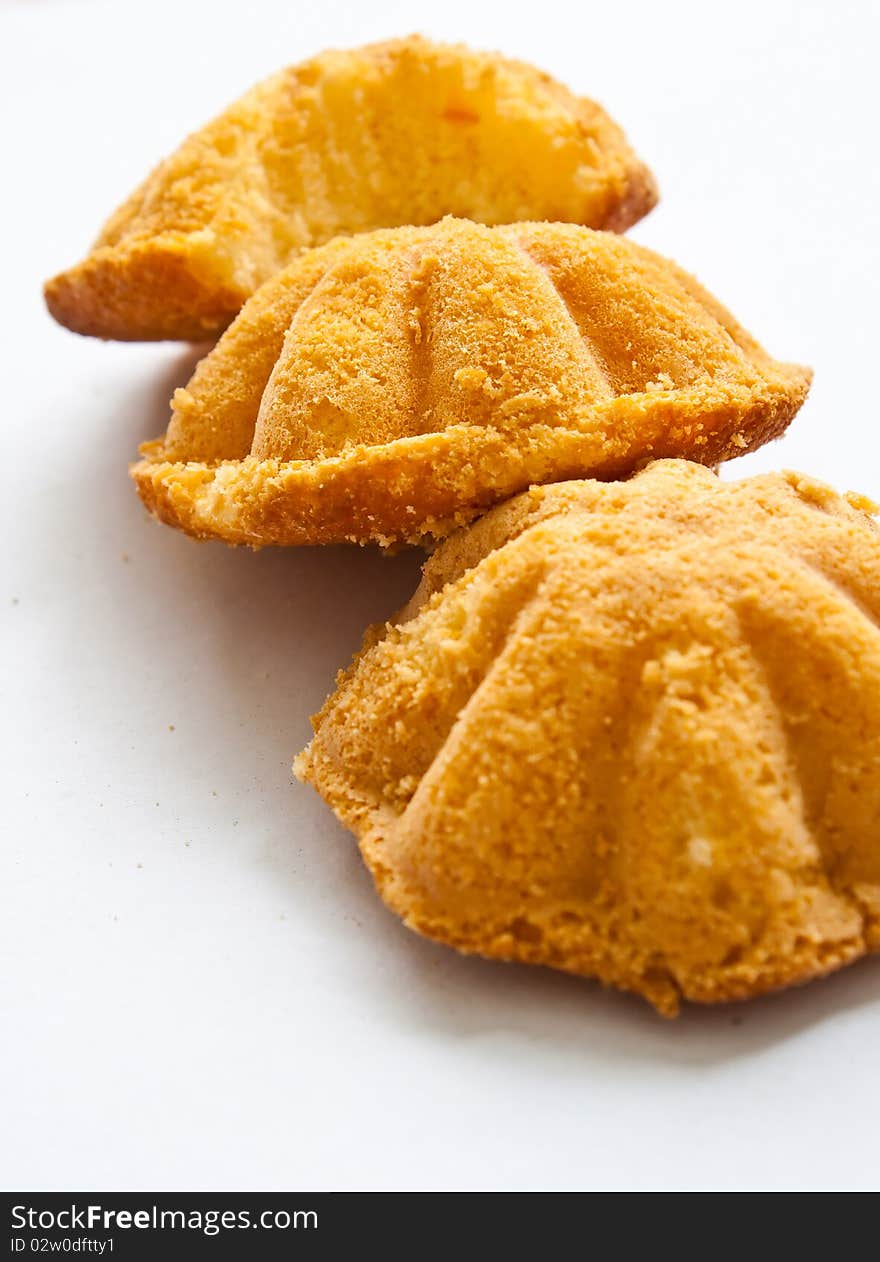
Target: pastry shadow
[[293, 610], [215, 657], [255, 640]]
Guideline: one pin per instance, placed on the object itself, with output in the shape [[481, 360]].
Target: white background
[[199, 988]]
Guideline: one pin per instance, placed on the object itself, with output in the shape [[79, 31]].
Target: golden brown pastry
[[632, 731], [393, 385], [396, 133]]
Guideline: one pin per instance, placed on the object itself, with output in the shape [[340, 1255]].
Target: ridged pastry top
[[395, 133], [630, 730], [394, 384], [412, 331]]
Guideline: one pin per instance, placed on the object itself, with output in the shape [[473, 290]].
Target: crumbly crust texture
[[392, 386], [395, 133], [630, 731]]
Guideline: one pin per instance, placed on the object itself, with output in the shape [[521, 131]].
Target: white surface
[[199, 987]]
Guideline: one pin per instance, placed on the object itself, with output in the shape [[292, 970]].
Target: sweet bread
[[631, 731], [395, 133], [393, 385]]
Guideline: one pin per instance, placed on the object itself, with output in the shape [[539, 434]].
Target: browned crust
[[370, 494], [638, 196], [139, 293]]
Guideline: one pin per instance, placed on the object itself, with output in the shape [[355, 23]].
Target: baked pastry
[[632, 731], [393, 385], [396, 133]]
